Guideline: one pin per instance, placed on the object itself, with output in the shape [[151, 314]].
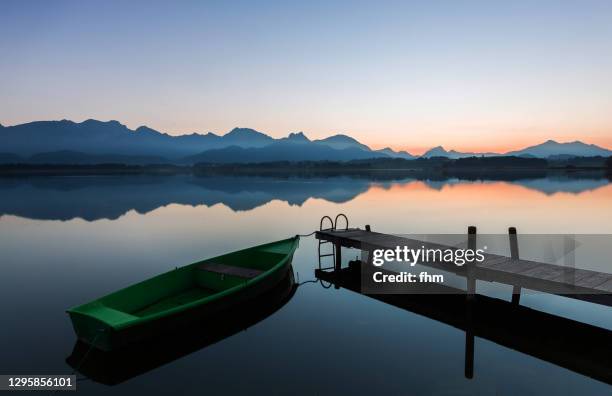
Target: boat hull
[[119, 365], [103, 335]]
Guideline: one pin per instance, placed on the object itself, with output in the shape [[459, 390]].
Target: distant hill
[[549, 149], [90, 141], [342, 142], [8, 158], [295, 137], [96, 137], [297, 147], [245, 137], [280, 151], [112, 137], [109, 141], [439, 151], [396, 154], [556, 149], [78, 158]]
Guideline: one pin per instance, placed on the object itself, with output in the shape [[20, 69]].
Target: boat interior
[[188, 284]]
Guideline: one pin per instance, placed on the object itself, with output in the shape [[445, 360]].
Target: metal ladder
[[321, 243], [333, 226]]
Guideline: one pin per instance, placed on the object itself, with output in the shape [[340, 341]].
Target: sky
[[468, 75]]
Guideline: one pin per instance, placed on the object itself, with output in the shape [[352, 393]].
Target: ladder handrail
[[331, 223], [336, 221], [333, 227]]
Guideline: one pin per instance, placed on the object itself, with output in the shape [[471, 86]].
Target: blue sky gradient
[[466, 74]]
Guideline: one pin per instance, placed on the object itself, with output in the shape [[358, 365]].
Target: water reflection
[[580, 347], [114, 367], [110, 197], [350, 343]]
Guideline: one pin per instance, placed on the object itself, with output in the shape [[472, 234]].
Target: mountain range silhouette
[[94, 142]]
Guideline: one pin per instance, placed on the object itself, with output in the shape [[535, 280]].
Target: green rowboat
[[116, 366], [182, 296]]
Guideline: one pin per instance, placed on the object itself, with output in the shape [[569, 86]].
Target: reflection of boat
[[117, 366], [158, 304]]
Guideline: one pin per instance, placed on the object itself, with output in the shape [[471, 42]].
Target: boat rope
[[91, 346], [306, 235], [308, 281], [298, 283], [78, 366]]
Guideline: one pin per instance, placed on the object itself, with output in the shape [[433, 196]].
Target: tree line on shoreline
[[508, 163]]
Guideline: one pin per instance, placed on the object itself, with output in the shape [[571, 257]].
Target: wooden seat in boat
[[232, 270]]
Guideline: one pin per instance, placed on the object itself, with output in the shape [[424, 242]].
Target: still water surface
[[67, 240]]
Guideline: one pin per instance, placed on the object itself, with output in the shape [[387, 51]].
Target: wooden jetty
[[591, 286], [580, 347]]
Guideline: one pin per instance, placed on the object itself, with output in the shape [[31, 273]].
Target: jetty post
[[514, 255], [469, 319], [471, 279]]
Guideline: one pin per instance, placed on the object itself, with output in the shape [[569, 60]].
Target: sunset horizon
[[408, 75], [513, 143]]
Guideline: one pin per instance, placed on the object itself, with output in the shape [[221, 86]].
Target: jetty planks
[[576, 283]]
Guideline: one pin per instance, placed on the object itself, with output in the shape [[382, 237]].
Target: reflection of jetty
[[581, 284], [579, 347], [576, 346]]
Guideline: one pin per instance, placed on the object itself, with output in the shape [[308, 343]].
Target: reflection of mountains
[[109, 197], [548, 185], [91, 198], [552, 185]]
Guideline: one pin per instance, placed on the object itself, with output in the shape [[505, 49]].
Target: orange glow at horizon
[[487, 190], [497, 148], [512, 204]]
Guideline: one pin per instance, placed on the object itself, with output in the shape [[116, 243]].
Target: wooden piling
[[471, 295], [471, 280], [514, 255], [472, 237], [469, 347], [338, 263]]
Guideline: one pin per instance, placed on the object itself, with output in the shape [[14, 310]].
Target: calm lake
[[67, 240]]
